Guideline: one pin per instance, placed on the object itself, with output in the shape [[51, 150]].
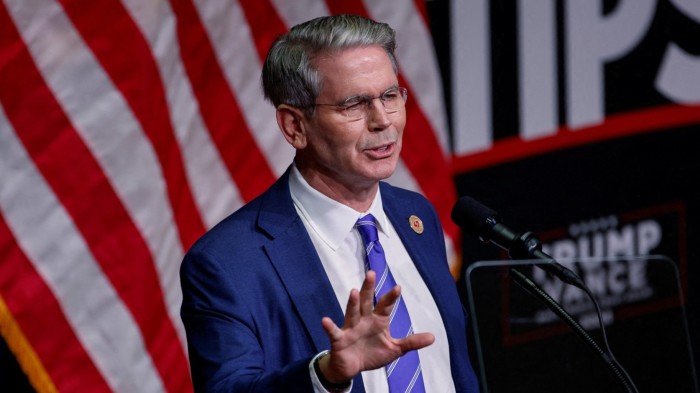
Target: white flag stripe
[[295, 12], [109, 334], [107, 126], [216, 194], [417, 63], [236, 53]]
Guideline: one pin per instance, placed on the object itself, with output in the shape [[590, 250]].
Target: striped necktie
[[404, 374]]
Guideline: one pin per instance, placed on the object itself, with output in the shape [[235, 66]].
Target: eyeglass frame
[[365, 102]]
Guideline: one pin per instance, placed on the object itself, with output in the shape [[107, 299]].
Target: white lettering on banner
[[538, 68], [471, 96], [632, 239], [679, 76], [591, 39], [613, 282]]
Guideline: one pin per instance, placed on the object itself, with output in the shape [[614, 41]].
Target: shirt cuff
[[318, 387]]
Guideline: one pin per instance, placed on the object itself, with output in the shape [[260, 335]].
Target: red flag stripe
[[218, 105], [24, 291], [60, 152], [264, 33], [422, 10], [347, 7], [299, 11], [235, 48], [114, 44]]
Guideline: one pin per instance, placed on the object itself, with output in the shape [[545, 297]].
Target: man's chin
[[385, 173]]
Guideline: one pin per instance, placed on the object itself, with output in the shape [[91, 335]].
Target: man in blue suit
[[270, 295]]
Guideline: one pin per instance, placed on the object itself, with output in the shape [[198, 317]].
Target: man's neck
[[358, 196]]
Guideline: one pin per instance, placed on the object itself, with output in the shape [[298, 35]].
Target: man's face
[[353, 154]]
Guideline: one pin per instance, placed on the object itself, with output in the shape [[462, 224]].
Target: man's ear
[[290, 121]]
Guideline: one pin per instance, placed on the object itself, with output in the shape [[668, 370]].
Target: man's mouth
[[382, 148], [382, 151]]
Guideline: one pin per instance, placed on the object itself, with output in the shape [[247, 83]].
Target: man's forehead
[[364, 68], [343, 54]]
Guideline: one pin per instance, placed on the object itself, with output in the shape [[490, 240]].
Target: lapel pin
[[416, 224]]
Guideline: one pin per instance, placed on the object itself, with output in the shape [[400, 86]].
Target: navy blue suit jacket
[[255, 291]]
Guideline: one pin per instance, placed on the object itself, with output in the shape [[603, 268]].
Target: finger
[[352, 311], [415, 341], [386, 303], [333, 332], [367, 293]]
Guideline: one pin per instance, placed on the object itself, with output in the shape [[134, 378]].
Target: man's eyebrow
[[362, 96], [354, 97]]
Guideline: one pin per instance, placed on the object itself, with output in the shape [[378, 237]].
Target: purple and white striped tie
[[404, 373]]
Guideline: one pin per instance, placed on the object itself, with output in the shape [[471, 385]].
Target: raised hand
[[364, 341]]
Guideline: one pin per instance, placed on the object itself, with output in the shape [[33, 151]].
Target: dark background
[[617, 176], [545, 192]]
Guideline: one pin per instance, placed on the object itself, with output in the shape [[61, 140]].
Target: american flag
[[127, 129]]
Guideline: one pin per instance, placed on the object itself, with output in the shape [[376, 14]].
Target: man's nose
[[377, 115]]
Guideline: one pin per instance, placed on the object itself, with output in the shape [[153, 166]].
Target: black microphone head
[[472, 216]]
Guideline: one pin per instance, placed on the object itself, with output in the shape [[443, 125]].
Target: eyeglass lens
[[392, 100]]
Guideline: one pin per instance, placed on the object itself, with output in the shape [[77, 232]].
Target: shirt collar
[[331, 220]]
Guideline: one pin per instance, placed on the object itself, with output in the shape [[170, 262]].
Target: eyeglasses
[[357, 107]]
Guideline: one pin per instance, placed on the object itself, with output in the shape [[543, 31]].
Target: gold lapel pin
[[416, 224]]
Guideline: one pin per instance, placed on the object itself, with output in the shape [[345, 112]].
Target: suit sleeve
[[223, 340]]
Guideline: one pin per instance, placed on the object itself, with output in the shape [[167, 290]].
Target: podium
[[520, 345]]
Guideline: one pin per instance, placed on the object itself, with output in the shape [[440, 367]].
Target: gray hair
[[289, 75]]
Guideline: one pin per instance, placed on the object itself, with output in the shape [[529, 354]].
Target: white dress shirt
[[331, 226]]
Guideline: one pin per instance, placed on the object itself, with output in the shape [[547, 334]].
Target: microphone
[[478, 220]]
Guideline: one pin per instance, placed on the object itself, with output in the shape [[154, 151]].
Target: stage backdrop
[[127, 128], [580, 121]]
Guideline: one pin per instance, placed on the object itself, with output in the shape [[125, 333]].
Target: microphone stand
[[607, 357], [527, 246]]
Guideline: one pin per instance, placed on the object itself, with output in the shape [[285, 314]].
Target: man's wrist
[[328, 385]]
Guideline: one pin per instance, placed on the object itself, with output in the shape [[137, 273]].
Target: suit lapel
[[419, 246], [296, 261]]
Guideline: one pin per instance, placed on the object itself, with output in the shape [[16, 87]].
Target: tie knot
[[367, 226]]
